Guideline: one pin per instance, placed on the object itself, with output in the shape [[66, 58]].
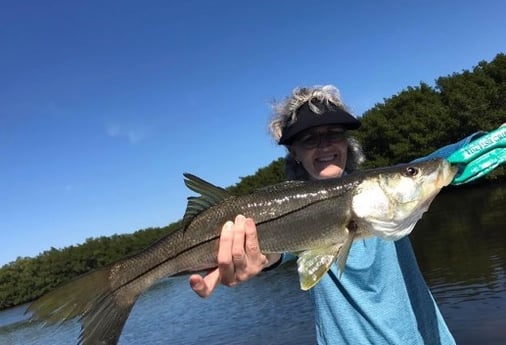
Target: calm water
[[460, 245]]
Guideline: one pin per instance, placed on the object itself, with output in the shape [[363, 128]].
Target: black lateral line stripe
[[217, 237]]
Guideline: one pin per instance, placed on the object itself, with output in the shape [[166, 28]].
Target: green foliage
[[421, 119], [28, 278], [408, 125], [271, 174], [477, 99]]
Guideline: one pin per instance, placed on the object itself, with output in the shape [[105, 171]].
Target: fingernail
[[228, 225]]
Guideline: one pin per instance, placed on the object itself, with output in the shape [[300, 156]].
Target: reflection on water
[[459, 243], [268, 310], [461, 247]]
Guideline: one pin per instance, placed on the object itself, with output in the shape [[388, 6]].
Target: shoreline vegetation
[[425, 117]]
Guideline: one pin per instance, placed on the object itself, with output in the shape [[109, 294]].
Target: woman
[[382, 297]]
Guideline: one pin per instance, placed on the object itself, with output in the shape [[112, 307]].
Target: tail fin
[[103, 309]]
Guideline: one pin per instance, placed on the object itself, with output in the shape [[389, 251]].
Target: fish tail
[[103, 323], [104, 308]]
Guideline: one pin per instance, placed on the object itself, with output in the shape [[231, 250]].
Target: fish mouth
[[446, 175]]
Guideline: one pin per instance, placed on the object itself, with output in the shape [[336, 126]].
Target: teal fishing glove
[[480, 156], [475, 155]]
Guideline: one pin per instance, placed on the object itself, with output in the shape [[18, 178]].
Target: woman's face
[[322, 151]]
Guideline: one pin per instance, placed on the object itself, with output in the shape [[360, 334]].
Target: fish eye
[[411, 171]]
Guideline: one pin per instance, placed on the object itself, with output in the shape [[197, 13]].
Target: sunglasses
[[313, 140]]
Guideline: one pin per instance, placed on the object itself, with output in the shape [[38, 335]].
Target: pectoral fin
[[342, 256], [313, 264]]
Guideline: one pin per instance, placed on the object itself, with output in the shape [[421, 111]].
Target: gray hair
[[320, 100]]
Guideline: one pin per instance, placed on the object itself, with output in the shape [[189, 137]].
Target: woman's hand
[[239, 258]]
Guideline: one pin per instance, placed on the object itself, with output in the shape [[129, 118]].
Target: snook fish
[[317, 220]]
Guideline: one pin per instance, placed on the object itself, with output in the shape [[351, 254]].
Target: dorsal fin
[[210, 195]]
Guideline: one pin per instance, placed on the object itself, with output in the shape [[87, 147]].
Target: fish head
[[389, 201]]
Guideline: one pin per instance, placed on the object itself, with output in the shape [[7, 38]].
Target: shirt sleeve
[[446, 151]]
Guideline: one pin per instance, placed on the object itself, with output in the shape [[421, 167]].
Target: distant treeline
[[408, 125]]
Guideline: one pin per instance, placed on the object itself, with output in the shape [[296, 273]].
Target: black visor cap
[[307, 119]]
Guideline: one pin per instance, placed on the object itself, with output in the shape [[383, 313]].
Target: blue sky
[[104, 104]]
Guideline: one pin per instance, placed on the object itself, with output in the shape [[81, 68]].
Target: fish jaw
[[390, 204], [446, 174]]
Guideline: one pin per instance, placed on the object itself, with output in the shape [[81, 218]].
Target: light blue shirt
[[381, 298]]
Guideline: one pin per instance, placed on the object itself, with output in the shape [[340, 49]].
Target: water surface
[[460, 245]]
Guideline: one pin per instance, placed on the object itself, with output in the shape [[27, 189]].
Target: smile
[[324, 159]]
